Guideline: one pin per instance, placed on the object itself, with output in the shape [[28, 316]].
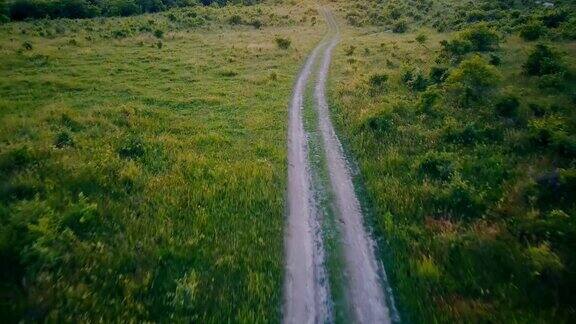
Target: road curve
[[365, 292]]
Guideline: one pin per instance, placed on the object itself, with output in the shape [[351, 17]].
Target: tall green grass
[[467, 159], [142, 173]]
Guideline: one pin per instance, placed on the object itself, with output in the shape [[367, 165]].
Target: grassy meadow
[[462, 119], [143, 164]]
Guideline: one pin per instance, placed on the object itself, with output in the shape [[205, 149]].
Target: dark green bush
[[495, 60], [473, 80], [283, 43], [457, 47], [482, 37], [132, 148], [438, 74], [378, 81], [428, 100], [542, 61], [507, 106], [459, 200], [437, 167], [532, 31], [379, 124], [568, 29], [400, 26], [553, 18], [158, 33], [256, 23], [16, 159], [235, 20], [63, 139], [556, 81]]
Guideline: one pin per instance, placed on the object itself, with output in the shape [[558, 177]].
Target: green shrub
[[27, 46], [414, 79], [132, 148], [378, 81], [437, 167], [63, 139], [542, 61], [482, 37], [438, 74], [400, 26], [532, 31], [421, 38], [553, 18], [568, 29], [507, 106], [379, 124], [457, 47], [542, 131], [235, 20], [459, 200], [283, 43], [495, 60], [428, 100], [256, 23], [158, 33], [473, 80], [16, 159], [556, 81]]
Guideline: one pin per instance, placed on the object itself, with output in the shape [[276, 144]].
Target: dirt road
[[307, 295]]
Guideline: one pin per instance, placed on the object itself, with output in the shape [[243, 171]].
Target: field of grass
[[143, 164], [468, 161]]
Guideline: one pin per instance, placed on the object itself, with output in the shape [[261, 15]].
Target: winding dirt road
[[307, 293]]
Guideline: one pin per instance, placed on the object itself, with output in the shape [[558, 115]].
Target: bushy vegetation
[[468, 156], [36, 9], [142, 165]]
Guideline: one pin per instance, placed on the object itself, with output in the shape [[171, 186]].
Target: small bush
[[438, 74], [457, 47], [428, 100], [63, 139], [256, 23], [16, 159], [542, 61], [532, 31], [553, 18], [507, 106], [473, 80], [495, 60], [421, 38], [378, 81], [400, 26], [27, 46], [437, 167], [556, 81], [459, 200], [235, 20], [283, 43], [482, 37], [414, 79], [158, 33], [379, 124], [133, 148], [568, 30]]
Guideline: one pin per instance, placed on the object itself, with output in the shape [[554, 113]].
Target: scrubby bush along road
[[305, 275]]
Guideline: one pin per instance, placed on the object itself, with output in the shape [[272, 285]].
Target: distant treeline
[[37, 9]]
